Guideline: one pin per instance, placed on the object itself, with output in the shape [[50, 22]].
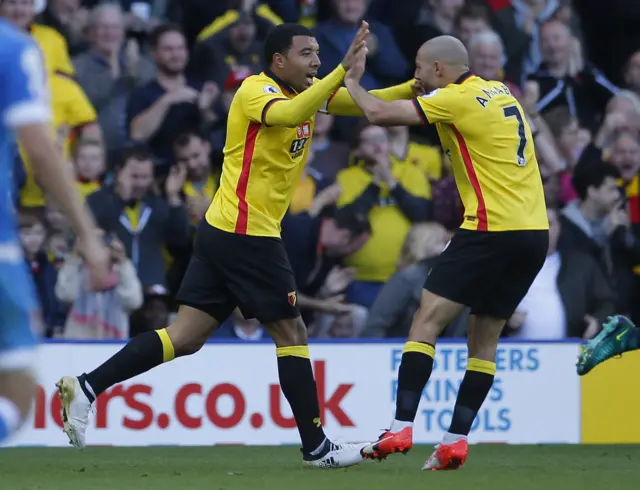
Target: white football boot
[[335, 456], [75, 410]]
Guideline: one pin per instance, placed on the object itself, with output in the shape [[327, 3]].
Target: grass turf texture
[[235, 468]]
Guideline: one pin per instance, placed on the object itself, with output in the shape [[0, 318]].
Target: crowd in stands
[[140, 92]]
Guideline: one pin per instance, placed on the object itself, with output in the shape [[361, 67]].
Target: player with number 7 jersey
[[484, 132], [492, 260]]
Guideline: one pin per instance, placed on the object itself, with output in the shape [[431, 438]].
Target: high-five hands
[[358, 48], [355, 70]]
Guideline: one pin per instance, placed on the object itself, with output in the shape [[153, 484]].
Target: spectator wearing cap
[[143, 221], [172, 102], [110, 70], [218, 56], [565, 79], [102, 314], [393, 195]]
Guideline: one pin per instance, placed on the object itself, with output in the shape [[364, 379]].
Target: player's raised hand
[[357, 70], [359, 43]]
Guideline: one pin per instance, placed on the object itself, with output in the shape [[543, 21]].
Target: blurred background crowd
[[140, 94]]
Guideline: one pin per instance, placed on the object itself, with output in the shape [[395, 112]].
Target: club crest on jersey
[[293, 298], [304, 130], [270, 89]]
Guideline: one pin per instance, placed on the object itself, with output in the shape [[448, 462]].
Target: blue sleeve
[[24, 97]]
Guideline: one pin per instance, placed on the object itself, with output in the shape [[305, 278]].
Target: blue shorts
[[19, 313]]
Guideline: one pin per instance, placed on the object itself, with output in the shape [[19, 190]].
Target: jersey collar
[[464, 77], [286, 88]]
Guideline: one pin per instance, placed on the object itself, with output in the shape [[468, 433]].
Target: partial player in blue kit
[[25, 118]]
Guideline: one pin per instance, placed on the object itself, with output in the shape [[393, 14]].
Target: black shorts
[[490, 272], [228, 270]]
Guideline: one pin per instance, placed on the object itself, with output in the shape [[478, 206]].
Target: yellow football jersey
[[262, 163], [485, 135]]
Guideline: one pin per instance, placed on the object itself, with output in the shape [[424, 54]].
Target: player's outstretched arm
[[377, 111], [291, 113], [341, 103]]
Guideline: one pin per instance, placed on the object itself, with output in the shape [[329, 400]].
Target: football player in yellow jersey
[[492, 260], [239, 259]]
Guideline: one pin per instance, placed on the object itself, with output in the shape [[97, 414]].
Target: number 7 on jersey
[[513, 111]]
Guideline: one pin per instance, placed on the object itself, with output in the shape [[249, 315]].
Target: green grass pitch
[[262, 468]]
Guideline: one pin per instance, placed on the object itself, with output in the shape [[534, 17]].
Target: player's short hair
[[280, 38], [557, 119], [474, 11], [592, 175], [157, 32]]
